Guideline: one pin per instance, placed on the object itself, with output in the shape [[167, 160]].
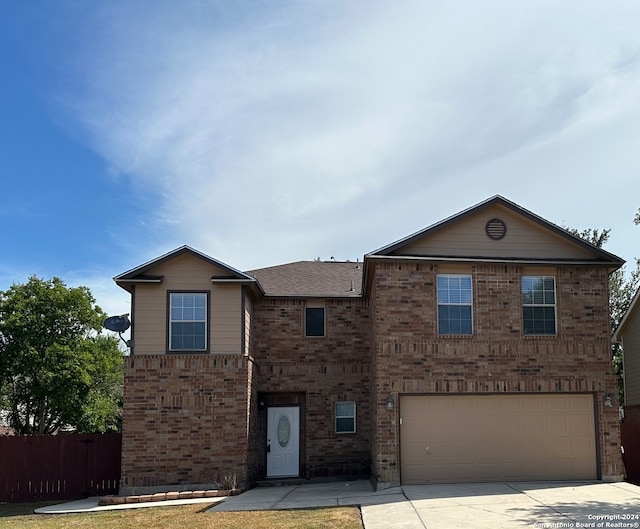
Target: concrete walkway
[[380, 510], [473, 506], [91, 505], [534, 505], [311, 495]]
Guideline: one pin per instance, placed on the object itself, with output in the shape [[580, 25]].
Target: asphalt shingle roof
[[311, 279]]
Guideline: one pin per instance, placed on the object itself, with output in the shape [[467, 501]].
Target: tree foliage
[[56, 369], [622, 288]]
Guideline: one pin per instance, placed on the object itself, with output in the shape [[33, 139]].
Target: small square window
[[314, 321], [345, 417]]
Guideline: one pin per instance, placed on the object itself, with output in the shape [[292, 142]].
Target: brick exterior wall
[[186, 420], [410, 357], [314, 373]]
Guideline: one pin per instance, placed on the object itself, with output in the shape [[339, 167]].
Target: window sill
[[186, 352]]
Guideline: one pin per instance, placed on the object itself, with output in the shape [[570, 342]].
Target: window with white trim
[[454, 304], [187, 321], [539, 305], [345, 417]]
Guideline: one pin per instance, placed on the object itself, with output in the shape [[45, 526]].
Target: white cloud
[[273, 134]]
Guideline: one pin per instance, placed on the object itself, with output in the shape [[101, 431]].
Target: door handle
[[268, 448]]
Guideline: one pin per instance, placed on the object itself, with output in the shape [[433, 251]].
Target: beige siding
[[467, 238], [150, 319], [631, 345], [226, 319], [182, 274]]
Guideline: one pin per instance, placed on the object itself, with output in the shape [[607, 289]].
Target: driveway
[[474, 506]]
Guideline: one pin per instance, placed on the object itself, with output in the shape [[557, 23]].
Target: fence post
[[87, 488]]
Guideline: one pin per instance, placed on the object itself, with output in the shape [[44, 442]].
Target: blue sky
[[268, 132]]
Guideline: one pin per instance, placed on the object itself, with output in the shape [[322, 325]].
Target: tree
[[622, 288], [56, 369]]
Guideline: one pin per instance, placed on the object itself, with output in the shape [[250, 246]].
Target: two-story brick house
[[477, 349]]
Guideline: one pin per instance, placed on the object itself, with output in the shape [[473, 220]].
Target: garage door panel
[[560, 425], [579, 404], [533, 424], [581, 448], [510, 405], [582, 426], [439, 472], [497, 437], [533, 404], [558, 404], [559, 448], [512, 471]]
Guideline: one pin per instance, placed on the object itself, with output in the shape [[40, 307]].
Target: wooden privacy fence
[[58, 467], [630, 437]]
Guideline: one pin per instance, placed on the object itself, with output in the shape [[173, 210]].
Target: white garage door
[[475, 438]]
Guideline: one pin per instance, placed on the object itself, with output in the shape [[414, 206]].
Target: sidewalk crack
[[424, 525], [293, 489]]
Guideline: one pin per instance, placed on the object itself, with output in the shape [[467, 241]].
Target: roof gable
[[151, 271], [498, 229]]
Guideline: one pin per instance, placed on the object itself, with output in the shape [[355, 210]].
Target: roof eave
[[463, 259], [128, 283], [254, 283], [355, 295]]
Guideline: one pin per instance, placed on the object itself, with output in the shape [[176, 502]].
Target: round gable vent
[[496, 229]]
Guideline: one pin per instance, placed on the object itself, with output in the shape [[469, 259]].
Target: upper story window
[[539, 305], [187, 321], [314, 321], [454, 304]]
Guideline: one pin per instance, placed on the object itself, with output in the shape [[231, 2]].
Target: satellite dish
[[117, 324]]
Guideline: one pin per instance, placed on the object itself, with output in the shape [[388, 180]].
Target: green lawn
[[191, 516]]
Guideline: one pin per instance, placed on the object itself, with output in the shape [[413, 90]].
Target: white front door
[[283, 442]]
